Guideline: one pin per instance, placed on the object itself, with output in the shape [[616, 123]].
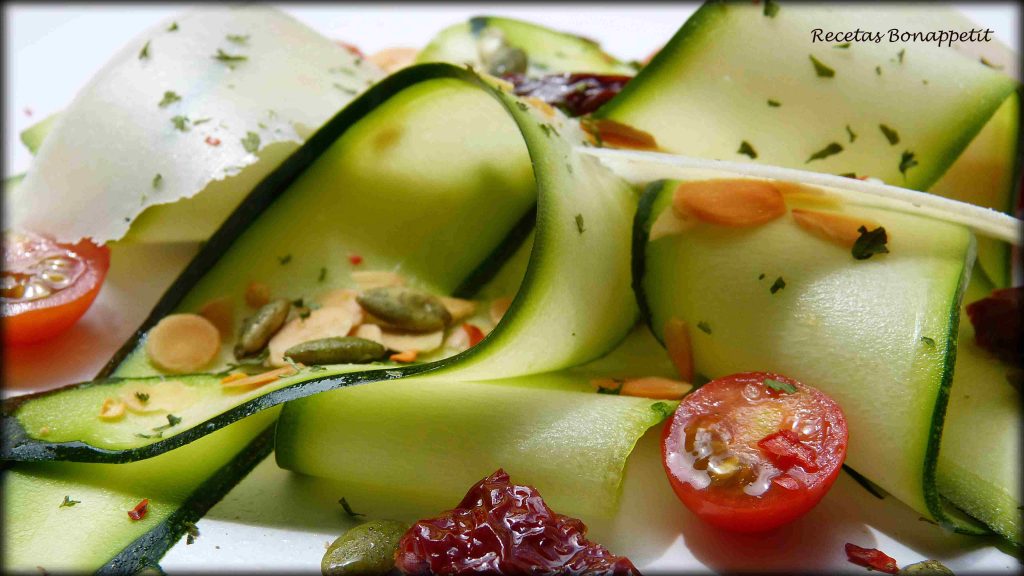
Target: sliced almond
[[499, 306], [167, 396], [655, 388], [182, 343], [730, 202], [806, 195], [680, 351], [616, 135], [370, 279], [259, 379], [343, 298], [392, 60], [831, 226], [257, 294], [458, 308], [668, 223], [234, 376], [404, 357], [323, 322], [369, 332], [112, 409], [221, 313], [405, 341]]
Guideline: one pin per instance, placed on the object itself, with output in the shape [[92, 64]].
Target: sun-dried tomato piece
[[139, 512], [997, 324], [504, 528], [872, 559], [575, 94]]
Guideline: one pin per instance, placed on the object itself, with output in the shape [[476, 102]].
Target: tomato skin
[[792, 493], [37, 320]]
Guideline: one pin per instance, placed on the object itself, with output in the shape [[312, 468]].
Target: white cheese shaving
[[179, 110]]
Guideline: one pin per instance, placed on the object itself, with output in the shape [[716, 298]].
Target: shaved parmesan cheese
[[202, 110]]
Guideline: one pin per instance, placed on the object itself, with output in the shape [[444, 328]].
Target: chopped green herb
[[317, 368], [157, 180], [191, 531], [849, 175], [761, 276], [929, 342], [251, 142], [878, 70], [579, 223], [891, 135], [298, 302], [830, 150], [821, 69], [522, 106], [907, 161], [870, 243], [842, 46], [746, 148], [346, 89], [851, 133], [548, 129], [199, 121], [899, 55], [238, 38], [284, 259], [991, 65], [348, 509], [780, 386], [322, 276], [173, 27], [704, 327], [774, 103], [68, 502], [771, 8], [180, 122], [304, 313], [142, 396], [779, 284], [168, 99], [172, 421], [148, 436], [144, 53], [223, 56]]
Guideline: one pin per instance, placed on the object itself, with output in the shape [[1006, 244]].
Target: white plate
[[274, 521]]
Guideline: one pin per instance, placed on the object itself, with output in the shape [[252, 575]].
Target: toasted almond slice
[[234, 376], [680, 351], [655, 388], [406, 341], [370, 279], [369, 332], [838, 228], [221, 313], [616, 135], [499, 306], [392, 60], [182, 343], [730, 202], [806, 195], [458, 308], [404, 357], [167, 396], [261, 379], [257, 294], [668, 223], [323, 322], [112, 409], [343, 298]]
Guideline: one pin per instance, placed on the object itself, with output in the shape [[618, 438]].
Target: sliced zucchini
[[544, 51], [878, 335]]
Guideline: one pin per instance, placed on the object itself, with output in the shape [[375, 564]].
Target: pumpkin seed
[[927, 567], [335, 350], [261, 326], [406, 308], [366, 549]]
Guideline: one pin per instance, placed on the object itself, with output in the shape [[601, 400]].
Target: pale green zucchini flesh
[[878, 335]]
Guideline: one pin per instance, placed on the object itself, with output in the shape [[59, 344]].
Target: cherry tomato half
[[753, 451], [45, 286]]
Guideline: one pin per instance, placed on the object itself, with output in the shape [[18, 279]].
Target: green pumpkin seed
[[926, 568], [336, 350], [366, 549], [406, 308], [260, 327]]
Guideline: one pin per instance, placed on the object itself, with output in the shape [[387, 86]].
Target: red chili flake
[[785, 449], [212, 141], [475, 334], [872, 559], [355, 259], [352, 48], [139, 512]]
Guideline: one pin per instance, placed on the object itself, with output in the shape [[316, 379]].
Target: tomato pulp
[[46, 286], [753, 451]]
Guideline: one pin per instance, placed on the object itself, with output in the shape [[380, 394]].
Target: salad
[[508, 303]]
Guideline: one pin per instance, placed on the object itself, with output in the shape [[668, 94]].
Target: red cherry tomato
[[753, 451], [46, 286]]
